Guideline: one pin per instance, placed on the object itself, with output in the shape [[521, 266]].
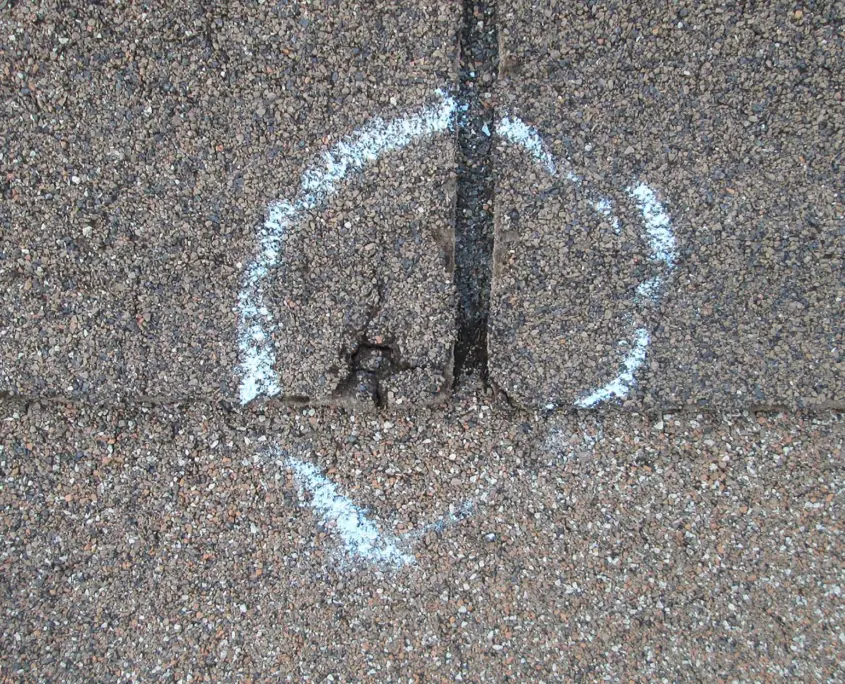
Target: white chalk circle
[[323, 178]]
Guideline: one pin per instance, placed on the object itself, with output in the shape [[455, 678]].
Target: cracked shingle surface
[[372, 268], [141, 146]]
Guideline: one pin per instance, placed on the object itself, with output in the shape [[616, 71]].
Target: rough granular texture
[[365, 284], [735, 117], [177, 542], [141, 147], [562, 316]]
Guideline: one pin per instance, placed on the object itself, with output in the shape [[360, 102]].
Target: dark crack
[[371, 362]]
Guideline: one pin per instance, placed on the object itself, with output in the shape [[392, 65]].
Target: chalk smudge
[[519, 133], [649, 289], [658, 236], [605, 208], [621, 385], [361, 539], [318, 183], [360, 536], [658, 226], [457, 514]]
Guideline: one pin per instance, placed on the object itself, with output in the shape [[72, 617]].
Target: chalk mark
[[364, 146], [319, 182], [658, 235], [361, 539], [621, 385], [360, 536]]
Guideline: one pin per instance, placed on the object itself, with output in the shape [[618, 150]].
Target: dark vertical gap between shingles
[[474, 207]]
